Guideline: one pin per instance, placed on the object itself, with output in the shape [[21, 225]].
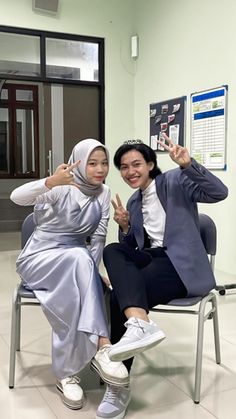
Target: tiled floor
[[162, 378]]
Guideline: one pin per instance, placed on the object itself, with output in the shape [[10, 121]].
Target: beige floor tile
[[177, 364], [162, 378], [53, 399], [222, 404], [24, 403], [182, 410]]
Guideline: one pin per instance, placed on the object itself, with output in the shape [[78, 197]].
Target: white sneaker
[[139, 336], [110, 372], [114, 403], [72, 393]]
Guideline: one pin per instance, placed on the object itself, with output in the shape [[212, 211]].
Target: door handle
[[49, 157]]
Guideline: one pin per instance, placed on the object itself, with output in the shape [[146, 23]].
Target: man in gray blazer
[[160, 255]]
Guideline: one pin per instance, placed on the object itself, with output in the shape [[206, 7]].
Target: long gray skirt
[[66, 281]]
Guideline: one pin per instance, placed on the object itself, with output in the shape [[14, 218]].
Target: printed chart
[[208, 127]]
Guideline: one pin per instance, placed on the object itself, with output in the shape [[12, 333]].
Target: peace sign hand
[[121, 215], [177, 153], [63, 175]]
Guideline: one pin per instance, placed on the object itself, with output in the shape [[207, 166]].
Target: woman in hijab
[[57, 266]]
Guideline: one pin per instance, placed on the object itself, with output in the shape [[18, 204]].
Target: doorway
[[67, 114], [71, 113]]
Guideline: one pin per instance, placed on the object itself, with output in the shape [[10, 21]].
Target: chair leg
[[201, 320], [18, 324], [198, 367], [14, 324], [216, 328]]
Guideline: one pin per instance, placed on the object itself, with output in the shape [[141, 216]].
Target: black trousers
[[139, 279]]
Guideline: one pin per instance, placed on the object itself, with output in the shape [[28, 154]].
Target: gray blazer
[[179, 190]]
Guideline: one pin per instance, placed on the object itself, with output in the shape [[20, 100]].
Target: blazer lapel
[[161, 191], [162, 195], [137, 218]]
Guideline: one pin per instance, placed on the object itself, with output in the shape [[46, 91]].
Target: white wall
[[188, 46], [109, 19], [185, 46]]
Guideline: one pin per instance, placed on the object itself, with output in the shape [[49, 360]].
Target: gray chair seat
[[24, 292]]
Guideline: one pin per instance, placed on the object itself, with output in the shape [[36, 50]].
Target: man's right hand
[[121, 215]]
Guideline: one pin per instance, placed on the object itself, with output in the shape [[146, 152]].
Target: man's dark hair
[[147, 152]]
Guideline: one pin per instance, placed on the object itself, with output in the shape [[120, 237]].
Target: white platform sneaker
[[139, 336], [111, 372], [72, 393]]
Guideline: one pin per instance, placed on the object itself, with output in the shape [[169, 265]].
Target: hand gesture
[[121, 215], [63, 175], [177, 153]]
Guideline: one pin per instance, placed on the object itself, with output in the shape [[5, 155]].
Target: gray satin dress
[[61, 271]]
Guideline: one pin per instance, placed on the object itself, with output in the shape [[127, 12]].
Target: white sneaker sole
[[109, 379], [120, 353], [72, 404], [119, 416]]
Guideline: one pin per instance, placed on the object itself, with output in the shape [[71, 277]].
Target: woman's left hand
[[177, 153], [63, 175]]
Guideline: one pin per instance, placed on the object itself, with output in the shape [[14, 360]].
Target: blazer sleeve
[[201, 185]]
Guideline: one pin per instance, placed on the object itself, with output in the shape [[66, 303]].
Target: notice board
[[167, 116]]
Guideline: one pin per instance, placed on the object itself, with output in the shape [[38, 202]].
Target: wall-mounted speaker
[[134, 46], [46, 6]]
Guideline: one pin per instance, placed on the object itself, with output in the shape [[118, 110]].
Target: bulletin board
[[168, 117], [208, 127]]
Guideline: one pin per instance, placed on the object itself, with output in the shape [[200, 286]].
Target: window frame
[[13, 105], [43, 35]]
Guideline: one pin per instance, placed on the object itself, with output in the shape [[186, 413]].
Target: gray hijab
[[81, 152]]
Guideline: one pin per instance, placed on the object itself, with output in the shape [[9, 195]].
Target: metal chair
[[21, 297], [203, 311], [20, 293]]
